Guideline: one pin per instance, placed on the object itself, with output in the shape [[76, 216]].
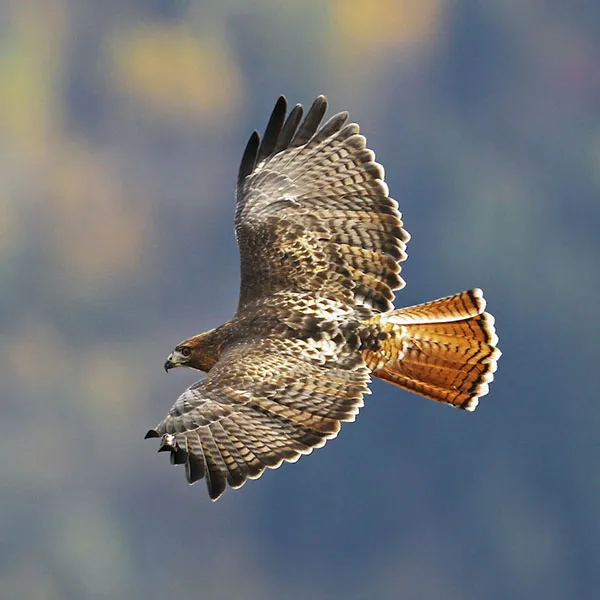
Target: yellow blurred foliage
[[30, 56], [9, 224], [97, 228], [367, 31], [172, 71], [112, 387], [34, 355]]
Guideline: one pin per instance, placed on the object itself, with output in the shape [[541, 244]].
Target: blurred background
[[121, 129]]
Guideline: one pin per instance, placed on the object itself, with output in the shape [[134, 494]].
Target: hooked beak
[[169, 364]]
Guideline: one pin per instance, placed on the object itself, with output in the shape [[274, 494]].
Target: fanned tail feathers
[[444, 350]]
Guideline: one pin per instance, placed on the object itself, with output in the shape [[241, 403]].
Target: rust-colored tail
[[444, 350]]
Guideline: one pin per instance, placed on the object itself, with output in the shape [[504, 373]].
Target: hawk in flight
[[320, 244]]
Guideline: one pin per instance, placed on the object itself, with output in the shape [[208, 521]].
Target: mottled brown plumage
[[320, 244]]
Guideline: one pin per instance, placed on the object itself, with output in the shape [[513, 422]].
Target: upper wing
[[260, 405], [313, 213]]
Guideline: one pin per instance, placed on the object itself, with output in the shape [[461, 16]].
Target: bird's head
[[180, 357], [197, 353]]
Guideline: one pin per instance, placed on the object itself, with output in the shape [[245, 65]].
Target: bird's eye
[[185, 352]]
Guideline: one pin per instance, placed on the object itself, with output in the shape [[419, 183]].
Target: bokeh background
[[121, 128]]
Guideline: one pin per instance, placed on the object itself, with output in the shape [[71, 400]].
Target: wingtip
[[249, 157], [168, 443], [320, 104], [151, 433]]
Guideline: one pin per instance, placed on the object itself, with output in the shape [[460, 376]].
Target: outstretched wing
[[259, 406], [313, 213]]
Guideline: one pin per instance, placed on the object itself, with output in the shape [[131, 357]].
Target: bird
[[320, 244]]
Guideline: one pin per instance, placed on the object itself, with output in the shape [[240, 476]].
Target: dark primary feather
[[273, 129], [249, 157], [311, 122], [289, 128]]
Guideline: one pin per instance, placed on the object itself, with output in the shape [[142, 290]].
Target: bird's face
[[180, 357], [198, 352]]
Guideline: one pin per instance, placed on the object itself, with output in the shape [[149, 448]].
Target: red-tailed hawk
[[320, 244]]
